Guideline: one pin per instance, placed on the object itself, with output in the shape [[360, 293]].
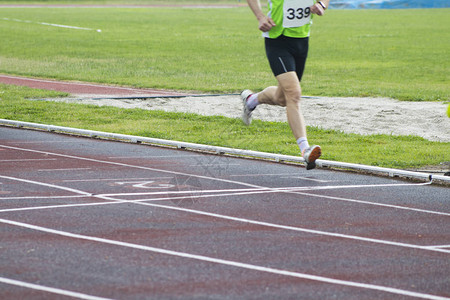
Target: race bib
[[296, 13]]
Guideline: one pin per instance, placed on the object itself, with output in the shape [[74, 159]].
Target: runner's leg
[[289, 84], [272, 95], [288, 94]]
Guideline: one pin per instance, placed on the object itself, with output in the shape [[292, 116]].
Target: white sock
[[302, 144], [252, 101]]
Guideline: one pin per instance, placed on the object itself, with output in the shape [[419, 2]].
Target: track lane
[[225, 239]]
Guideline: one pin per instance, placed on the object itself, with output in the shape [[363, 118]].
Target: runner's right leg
[[288, 94]]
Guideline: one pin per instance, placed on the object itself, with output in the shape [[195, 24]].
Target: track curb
[[227, 151]]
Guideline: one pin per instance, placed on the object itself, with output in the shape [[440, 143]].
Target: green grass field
[[352, 53], [394, 53]]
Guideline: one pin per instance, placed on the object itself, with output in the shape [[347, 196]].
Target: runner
[[286, 30]]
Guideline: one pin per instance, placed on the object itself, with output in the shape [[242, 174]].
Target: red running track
[[97, 219], [79, 88]]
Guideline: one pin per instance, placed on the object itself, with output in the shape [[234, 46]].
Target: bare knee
[[293, 97], [289, 89], [292, 94], [281, 98]]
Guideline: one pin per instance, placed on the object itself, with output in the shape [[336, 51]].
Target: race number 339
[[296, 13]]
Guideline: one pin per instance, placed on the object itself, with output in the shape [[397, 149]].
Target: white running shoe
[[310, 155], [246, 112]]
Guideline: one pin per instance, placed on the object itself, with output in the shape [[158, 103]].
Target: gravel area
[[351, 115]]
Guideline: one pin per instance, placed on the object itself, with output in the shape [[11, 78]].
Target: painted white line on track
[[213, 165], [205, 177], [46, 185], [373, 203], [219, 261], [116, 201], [281, 189], [258, 175], [43, 142], [295, 190], [26, 160], [287, 176], [152, 156], [41, 197], [107, 202], [149, 184], [306, 179], [49, 289], [259, 190], [438, 247], [286, 227], [134, 166], [143, 202], [248, 221], [231, 181], [185, 197], [69, 169], [115, 179]]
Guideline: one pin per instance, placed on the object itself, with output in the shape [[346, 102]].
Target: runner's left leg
[[288, 94]]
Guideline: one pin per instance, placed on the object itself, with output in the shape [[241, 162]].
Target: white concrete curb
[[225, 151]]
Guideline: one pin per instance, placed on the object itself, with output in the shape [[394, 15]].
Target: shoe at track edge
[[310, 155]]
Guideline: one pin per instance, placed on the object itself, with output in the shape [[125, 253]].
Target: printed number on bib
[[296, 13]]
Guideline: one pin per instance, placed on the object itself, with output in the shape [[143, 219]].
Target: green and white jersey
[[293, 18]]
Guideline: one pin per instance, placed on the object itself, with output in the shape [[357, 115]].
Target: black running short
[[286, 54]]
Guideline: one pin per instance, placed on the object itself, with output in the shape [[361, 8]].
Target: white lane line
[[183, 174], [273, 225], [172, 172], [296, 190], [152, 156], [118, 201], [259, 175], [214, 165], [287, 176], [306, 178], [26, 160], [69, 169], [134, 166], [49, 289], [219, 179], [40, 142], [280, 190], [290, 190], [41, 197], [374, 203], [240, 191], [183, 197], [243, 220], [235, 182], [116, 179], [229, 262], [47, 185], [438, 247], [50, 24], [59, 206]]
